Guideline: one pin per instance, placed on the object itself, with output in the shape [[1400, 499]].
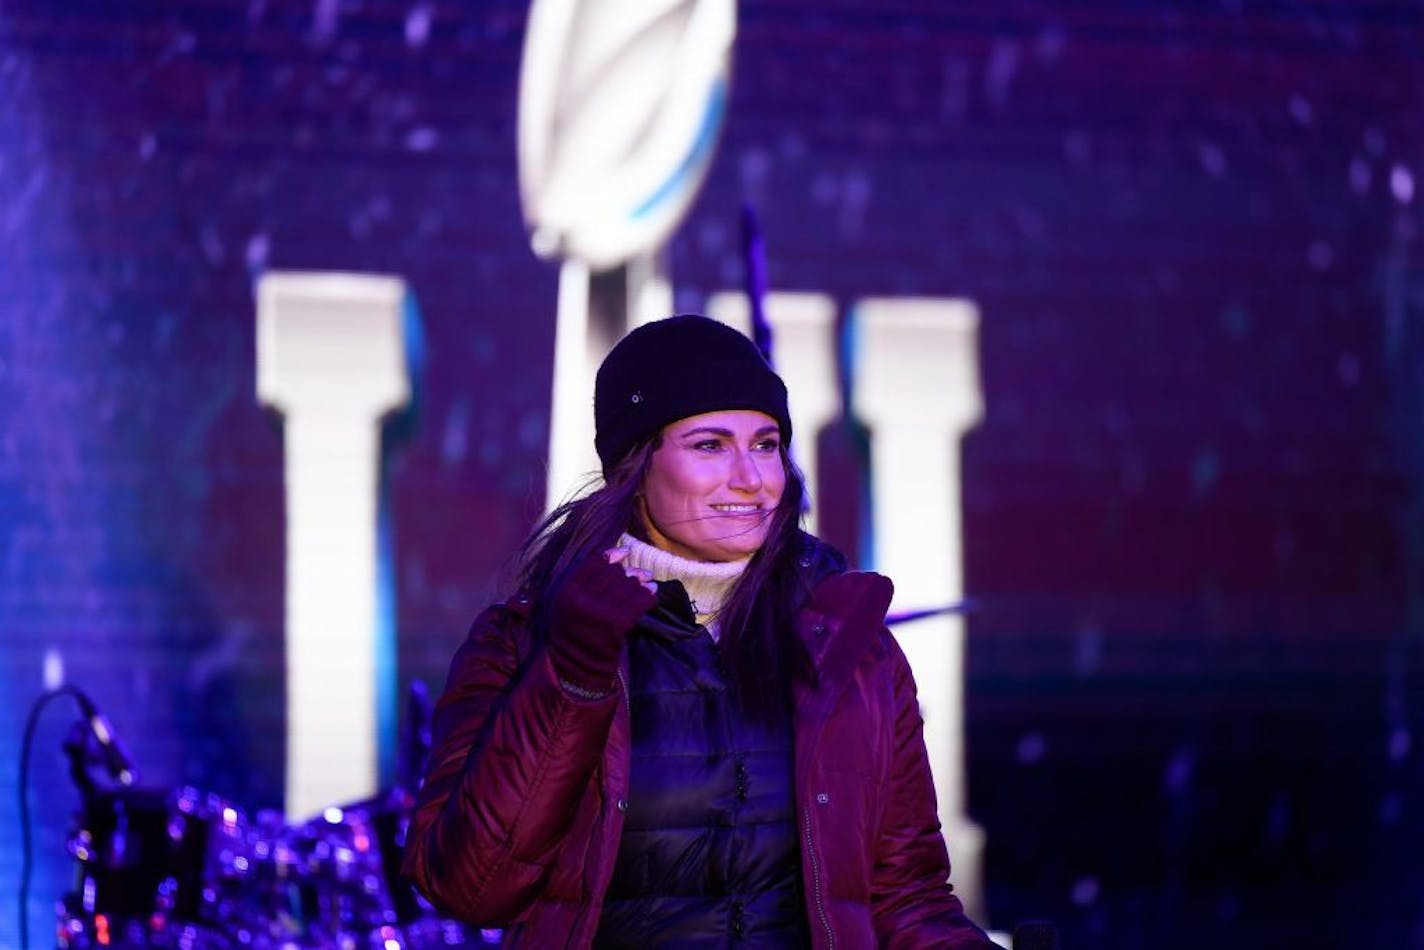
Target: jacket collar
[[841, 620]]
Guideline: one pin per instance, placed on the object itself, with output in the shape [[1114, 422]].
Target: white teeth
[[737, 508]]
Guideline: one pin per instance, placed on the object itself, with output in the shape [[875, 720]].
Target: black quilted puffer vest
[[709, 855]]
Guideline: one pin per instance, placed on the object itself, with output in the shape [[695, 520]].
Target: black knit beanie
[[674, 368]]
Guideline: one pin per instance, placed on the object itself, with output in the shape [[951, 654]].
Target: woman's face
[[713, 484]]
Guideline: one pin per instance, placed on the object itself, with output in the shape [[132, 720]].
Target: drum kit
[[187, 870]]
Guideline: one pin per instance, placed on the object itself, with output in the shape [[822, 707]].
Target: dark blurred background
[[1194, 508]]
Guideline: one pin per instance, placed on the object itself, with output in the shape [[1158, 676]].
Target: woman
[[690, 726]]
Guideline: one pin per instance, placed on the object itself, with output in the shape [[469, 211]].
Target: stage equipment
[[1036, 935], [185, 869]]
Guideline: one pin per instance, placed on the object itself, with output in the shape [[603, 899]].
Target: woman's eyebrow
[[726, 433]]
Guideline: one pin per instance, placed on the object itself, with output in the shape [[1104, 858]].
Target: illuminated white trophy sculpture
[[620, 102], [332, 358], [916, 385]]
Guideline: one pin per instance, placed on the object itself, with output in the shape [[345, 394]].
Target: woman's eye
[[767, 445], [707, 445]]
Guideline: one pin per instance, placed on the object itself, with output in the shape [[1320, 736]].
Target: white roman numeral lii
[[331, 358]]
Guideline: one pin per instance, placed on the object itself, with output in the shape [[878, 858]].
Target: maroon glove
[[594, 609]]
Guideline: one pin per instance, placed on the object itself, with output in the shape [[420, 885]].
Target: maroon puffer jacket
[[518, 822]]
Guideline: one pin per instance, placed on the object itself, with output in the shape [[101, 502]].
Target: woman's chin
[[739, 551]]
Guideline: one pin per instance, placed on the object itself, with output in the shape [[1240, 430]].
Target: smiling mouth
[[737, 509]]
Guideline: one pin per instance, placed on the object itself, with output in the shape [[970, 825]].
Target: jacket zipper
[[816, 885], [577, 928], [623, 688]]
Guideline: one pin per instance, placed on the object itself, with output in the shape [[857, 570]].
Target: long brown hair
[[763, 654]]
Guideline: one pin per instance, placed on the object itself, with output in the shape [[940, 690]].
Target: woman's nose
[[745, 475]]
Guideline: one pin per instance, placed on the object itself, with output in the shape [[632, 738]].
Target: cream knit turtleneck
[[708, 583]]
